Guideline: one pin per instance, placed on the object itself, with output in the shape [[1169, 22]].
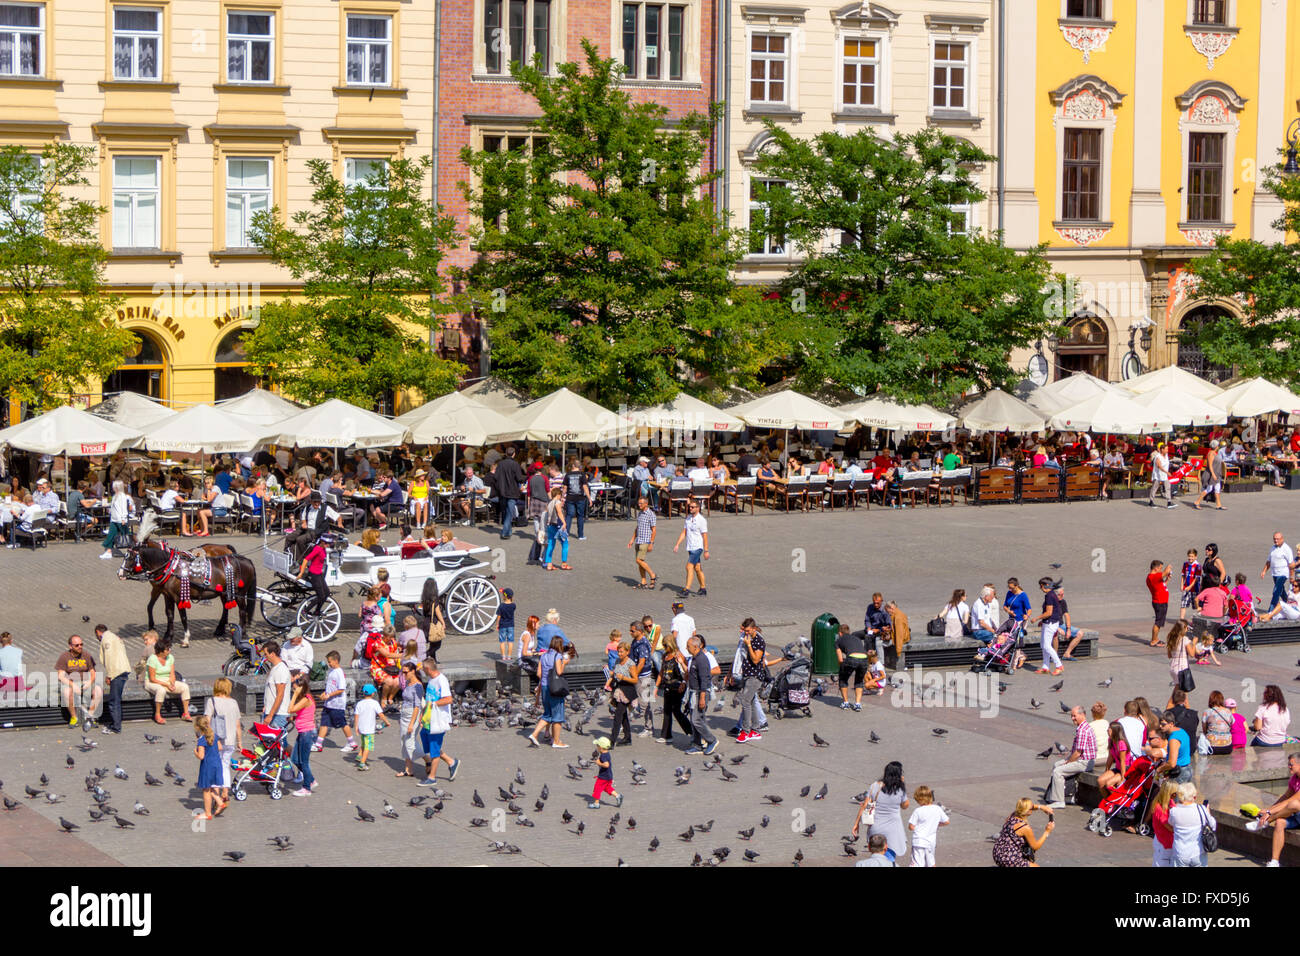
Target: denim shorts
[[553, 712], [335, 717], [506, 635], [693, 557]]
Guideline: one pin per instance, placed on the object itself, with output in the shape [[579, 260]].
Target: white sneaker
[[316, 748], [1272, 863], [349, 748], [302, 792], [644, 733], [1058, 805], [1252, 826], [106, 556]]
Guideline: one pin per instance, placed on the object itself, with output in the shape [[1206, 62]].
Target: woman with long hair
[[1271, 719], [1216, 725], [1162, 834], [888, 798], [1180, 651], [955, 614], [208, 749], [302, 707], [410, 717], [672, 679]]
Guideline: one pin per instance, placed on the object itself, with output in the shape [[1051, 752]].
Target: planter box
[[1244, 486], [1292, 481], [1120, 494]]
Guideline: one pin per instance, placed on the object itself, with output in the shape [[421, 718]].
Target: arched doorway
[[1191, 358], [230, 375], [1085, 349], [143, 369]]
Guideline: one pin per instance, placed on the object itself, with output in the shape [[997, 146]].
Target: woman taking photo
[[672, 679], [302, 708], [1016, 844], [887, 797]]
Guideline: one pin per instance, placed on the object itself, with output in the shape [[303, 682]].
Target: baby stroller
[[1002, 652], [792, 689], [266, 763], [1127, 804], [1234, 634]]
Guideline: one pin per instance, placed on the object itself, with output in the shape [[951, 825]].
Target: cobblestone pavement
[[784, 571]]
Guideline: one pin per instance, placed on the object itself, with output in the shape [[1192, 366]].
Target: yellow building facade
[[1135, 135], [200, 115]]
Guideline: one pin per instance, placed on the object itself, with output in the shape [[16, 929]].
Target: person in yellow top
[[420, 496], [117, 668]]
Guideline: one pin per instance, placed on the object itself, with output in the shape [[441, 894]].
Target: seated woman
[[1118, 759], [161, 680], [12, 672], [370, 541], [386, 665], [795, 468]]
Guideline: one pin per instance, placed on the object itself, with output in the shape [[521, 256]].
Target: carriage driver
[[310, 523]]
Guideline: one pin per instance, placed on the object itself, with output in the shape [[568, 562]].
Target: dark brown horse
[[164, 568]]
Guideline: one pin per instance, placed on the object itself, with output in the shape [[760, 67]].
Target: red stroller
[[266, 763], [1126, 805]]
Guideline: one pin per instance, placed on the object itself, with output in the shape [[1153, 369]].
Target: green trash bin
[[824, 632]]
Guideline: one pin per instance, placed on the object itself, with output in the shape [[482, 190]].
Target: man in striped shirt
[[644, 541], [1081, 759]]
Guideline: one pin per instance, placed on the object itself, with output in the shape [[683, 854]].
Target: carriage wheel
[[318, 628], [281, 616], [471, 604]]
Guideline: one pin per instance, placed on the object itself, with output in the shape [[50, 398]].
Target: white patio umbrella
[[1064, 392], [1181, 408], [498, 394], [1111, 413], [205, 430], [877, 412], [996, 411], [1256, 397], [131, 409], [457, 419], [1173, 375], [787, 410], [338, 424], [260, 407], [69, 431], [684, 412]]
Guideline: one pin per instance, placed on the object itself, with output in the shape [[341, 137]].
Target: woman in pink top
[[1213, 602], [303, 710], [1117, 759], [1162, 834]]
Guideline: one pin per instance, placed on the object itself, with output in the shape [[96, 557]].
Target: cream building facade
[[828, 66], [201, 114]]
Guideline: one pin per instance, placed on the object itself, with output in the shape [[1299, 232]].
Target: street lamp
[[1292, 147]]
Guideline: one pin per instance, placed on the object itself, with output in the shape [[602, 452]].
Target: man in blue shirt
[[222, 479], [877, 623]]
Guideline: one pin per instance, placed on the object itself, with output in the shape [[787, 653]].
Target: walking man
[[117, 668], [697, 688], [510, 488], [695, 532], [643, 539], [1160, 477], [1281, 562]]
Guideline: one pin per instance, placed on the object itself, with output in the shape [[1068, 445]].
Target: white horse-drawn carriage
[[417, 577]]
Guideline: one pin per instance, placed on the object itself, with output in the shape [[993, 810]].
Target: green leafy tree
[[1264, 280], [368, 257], [891, 294], [603, 266], [57, 333]]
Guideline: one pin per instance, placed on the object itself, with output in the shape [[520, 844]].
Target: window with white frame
[[136, 200], [18, 211], [359, 171], [861, 72], [248, 192], [516, 32], [959, 223], [22, 39], [654, 37], [1210, 13], [250, 47], [766, 237], [137, 43], [494, 199], [769, 58], [951, 76], [369, 50]]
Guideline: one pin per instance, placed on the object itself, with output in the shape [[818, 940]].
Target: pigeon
[[581, 827], [389, 811], [151, 738], [859, 797], [1107, 682], [282, 843], [684, 778], [849, 849], [805, 791], [746, 834], [416, 801], [566, 817], [763, 775], [1059, 748], [818, 742], [85, 619], [177, 744], [620, 862], [1043, 755], [523, 821], [585, 764], [53, 798], [438, 807], [637, 768], [631, 823], [179, 781], [11, 804], [478, 822], [1065, 708], [873, 737], [737, 761], [45, 781], [609, 834], [772, 798], [938, 731], [504, 796], [1035, 704], [64, 607], [765, 821], [704, 827], [688, 836], [798, 857], [519, 776], [32, 792], [168, 770], [821, 794], [429, 813], [751, 855], [514, 807], [810, 829], [546, 792], [71, 762], [100, 797], [123, 824], [68, 825], [727, 775], [235, 855], [697, 860], [1057, 686], [476, 801], [1003, 686], [539, 806], [120, 773], [107, 809], [613, 821], [151, 781], [654, 844], [364, 816], [88, 744], [573, 773]]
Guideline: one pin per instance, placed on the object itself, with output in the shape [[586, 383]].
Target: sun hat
[[1230, 702], [602, 743]]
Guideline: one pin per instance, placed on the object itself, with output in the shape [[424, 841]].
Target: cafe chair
[[841, 486], [743, 493], [702, 492], [679, 493], [796, 488], [39, 534], [817, 491]]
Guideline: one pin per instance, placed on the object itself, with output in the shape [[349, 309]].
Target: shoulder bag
[[1209, 838], [936, 627], [1185, 680], [868, 817], [556, 684], [435, 720]]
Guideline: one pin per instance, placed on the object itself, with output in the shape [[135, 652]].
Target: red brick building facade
[[668, 46]]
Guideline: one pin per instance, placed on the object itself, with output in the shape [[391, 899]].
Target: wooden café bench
[[995, 486], [1040, 484], [1082, 482]]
